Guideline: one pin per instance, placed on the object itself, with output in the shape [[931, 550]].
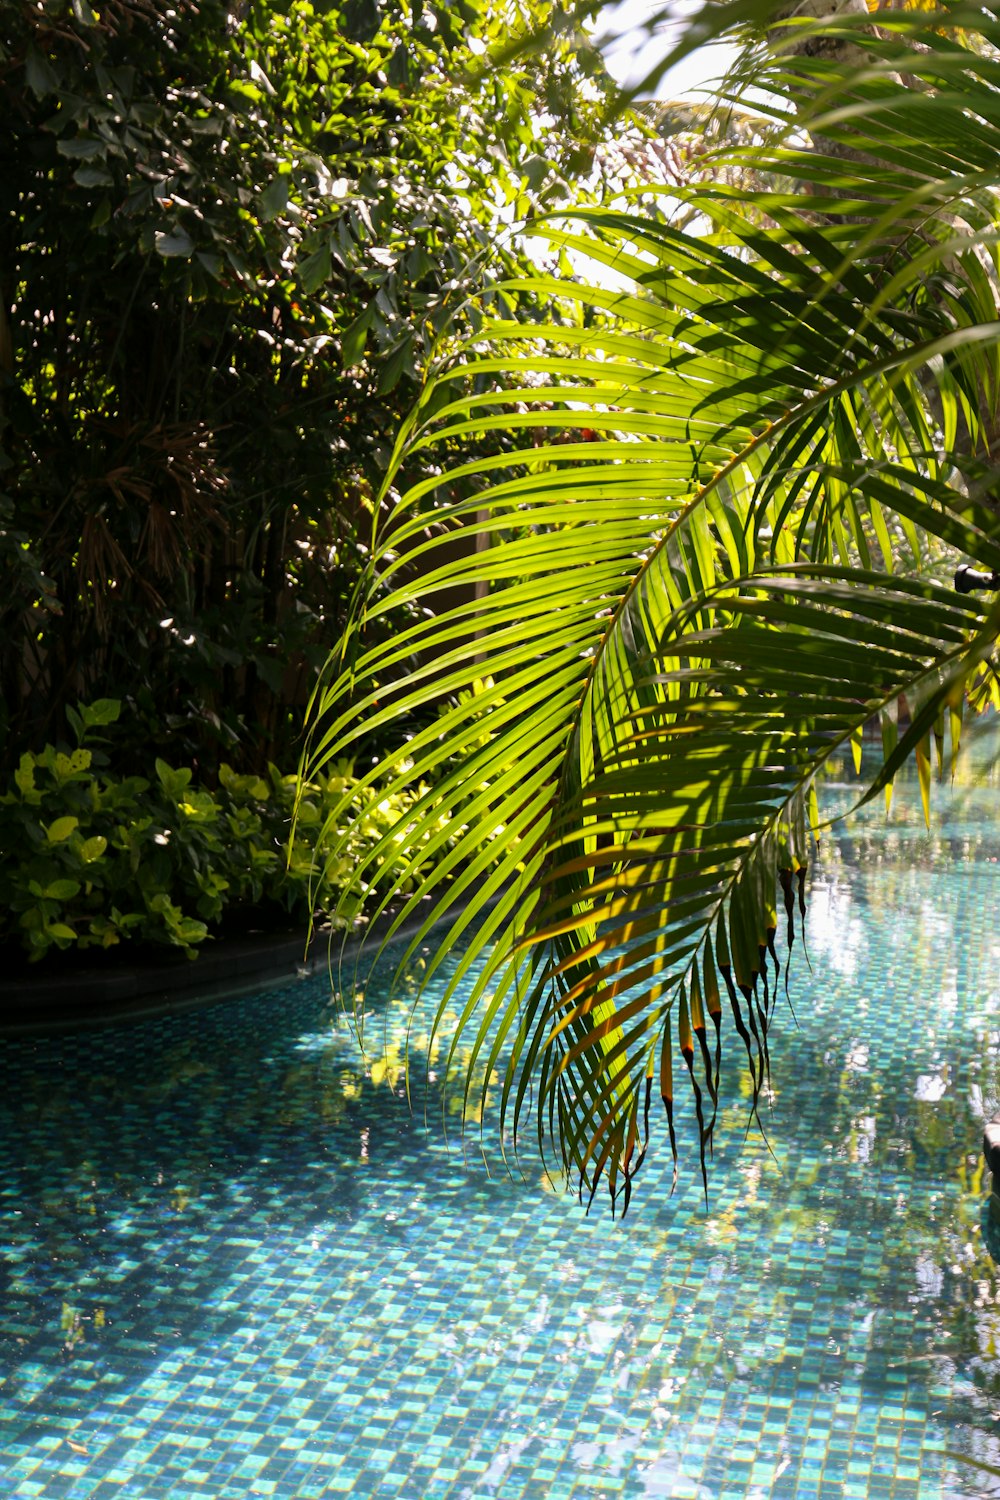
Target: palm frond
[[713, 540]]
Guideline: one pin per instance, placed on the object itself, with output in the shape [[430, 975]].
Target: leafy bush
[[229, 237], [94, 860]]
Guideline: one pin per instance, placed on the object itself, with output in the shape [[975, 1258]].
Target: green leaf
[[76, 722], [398, 71], [87, 148], [93, 177], [923, 754], [41, 77], [24, 776], [101, 712], [211, 263], [174, 783], [361, 20], [274, 198], [61, 890], [59, 831], [177, 244], [315, 270], [392, 370], [536, 169], [92, 848], [353, 340], [857, 742]]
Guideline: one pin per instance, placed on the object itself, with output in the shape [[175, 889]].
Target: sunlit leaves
[[720, 545], [231, 237]]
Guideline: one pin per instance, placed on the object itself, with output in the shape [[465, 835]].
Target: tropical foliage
[[98, 861], [726, 547], [228, 237]]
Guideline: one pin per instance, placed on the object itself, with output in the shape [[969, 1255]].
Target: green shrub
[[92, 860]]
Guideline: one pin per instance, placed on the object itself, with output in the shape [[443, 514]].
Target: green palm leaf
[[705, 561]]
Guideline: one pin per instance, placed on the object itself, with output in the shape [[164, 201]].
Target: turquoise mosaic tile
[[235, 1264]]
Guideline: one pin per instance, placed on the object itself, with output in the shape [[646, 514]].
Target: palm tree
[[724, 546]]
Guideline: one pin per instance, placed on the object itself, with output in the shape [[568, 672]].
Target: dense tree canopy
[[229, 237]]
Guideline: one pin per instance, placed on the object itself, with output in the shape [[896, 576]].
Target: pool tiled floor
[[235, 1265]]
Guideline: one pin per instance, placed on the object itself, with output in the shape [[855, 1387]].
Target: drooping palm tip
[[714, 542]]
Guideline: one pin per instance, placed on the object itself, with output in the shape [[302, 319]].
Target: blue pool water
[[235, 1264]]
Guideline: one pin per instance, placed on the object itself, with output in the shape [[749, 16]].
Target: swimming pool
[[237, 1265]]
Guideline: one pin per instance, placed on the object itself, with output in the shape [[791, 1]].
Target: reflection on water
[[237, 1264]]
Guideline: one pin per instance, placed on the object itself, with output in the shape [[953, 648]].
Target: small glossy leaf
[[59, 831], [61, 890], [61, 931]]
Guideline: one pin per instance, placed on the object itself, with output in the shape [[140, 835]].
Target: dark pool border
[[91, 998]]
